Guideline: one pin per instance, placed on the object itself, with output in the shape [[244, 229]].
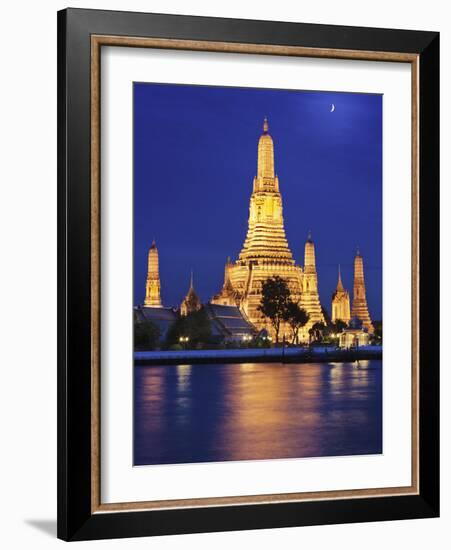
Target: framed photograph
[[248, 274]]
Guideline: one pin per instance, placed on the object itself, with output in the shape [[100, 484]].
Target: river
[[254, 411]]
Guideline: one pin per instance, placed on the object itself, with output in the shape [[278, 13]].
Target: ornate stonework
[[266, 253], [340, 302], [191, 302], [153, 298], [359, 304]]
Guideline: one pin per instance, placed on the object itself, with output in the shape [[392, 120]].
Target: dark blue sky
[[195, 156]]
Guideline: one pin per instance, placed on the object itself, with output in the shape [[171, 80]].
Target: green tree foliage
[[317, 332], [296, 317], [146, 335], [377, 331], [196, 326], [339, 326], [274, 301]]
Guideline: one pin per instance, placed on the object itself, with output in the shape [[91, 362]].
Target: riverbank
[[257, 355]]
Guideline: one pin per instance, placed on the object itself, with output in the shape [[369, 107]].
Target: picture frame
[[81, 36]]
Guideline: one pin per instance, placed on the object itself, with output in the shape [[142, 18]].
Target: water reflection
[[202, 413]]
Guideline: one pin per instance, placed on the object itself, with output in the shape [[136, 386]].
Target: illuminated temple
[[266, 253], [234, 310]]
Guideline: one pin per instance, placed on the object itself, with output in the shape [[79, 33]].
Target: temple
[[153, 297], [191, 302], [359, 304], [234, 310], [266, 253], [340, 303]]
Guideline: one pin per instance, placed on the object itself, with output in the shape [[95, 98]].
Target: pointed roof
[[265, 125], [340, 287], [309, 236], [153, 245]]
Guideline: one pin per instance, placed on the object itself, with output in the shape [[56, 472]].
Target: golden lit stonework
[[341, 310], [359, 304], [153, 298], [266, 253]]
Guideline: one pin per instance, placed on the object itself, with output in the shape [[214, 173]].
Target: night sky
[[195, 157]]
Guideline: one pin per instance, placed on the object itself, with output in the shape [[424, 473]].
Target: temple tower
[[153, 298], [340, 302], [266, 240], [310, 296], [265, 251], [191, 302], [359, 304]]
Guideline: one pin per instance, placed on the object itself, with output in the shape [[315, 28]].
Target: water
[[204, 413]]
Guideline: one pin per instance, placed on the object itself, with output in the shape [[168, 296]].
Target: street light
[[184, 340]]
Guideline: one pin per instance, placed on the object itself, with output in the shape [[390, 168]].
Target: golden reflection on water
[[196, 413]]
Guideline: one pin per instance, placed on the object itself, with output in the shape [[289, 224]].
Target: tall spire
[[310, 296], [266, 241], [265, 164], [309, 255], [339, 284], [359, 303], [153, 298], [191, 302]]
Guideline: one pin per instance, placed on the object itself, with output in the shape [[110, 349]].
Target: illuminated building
[[340, 302], [266, 253], [359, 305], [153, 298], [191, 302]]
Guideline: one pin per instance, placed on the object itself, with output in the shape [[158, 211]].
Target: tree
[[317, 331], [377, 331], [274, 301], [296, 317], [196, 326], [146, 335]]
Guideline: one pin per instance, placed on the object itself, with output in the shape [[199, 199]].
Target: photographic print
[[257, 294]]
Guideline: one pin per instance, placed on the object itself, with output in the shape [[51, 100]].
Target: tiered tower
[[191, 302], [265, 251], [359, 304], [310, 296], [153, 298], [340, 302]]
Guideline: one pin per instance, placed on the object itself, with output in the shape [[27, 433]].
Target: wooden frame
[[82, 33]]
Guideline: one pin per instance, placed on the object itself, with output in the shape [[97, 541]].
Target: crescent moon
[[332, 108]]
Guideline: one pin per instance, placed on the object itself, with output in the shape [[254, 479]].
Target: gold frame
[[97, 41]]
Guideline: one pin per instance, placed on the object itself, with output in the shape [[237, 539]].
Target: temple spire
[[309, 254], [191, 302], [153, 298], [339, 284], [359, 303], [340, 302], [265, 164]]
